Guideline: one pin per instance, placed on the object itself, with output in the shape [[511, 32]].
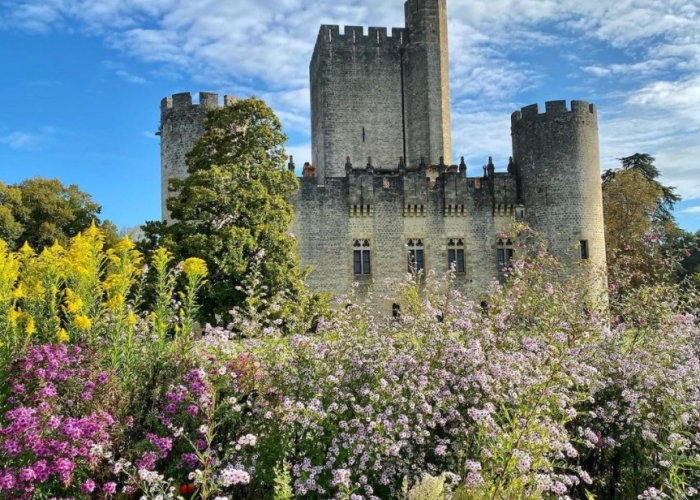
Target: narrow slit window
[[455, 255], [584, 249], [363, 134], [416, 257], [361, 257]]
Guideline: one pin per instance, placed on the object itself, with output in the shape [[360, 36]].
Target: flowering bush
[[543, 391], [56, 432]]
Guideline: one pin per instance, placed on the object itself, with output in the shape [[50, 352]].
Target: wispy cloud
[[119, 69], [691, 210], [19, 140], [638, 59], [29, 140]]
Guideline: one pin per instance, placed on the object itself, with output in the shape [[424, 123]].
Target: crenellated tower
[[382, 96], [382, 189], [181, 125], [557, 157], [426, 82]]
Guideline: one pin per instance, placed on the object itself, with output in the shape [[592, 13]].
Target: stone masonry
[[381, 178]]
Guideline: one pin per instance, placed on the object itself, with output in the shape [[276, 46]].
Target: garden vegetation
[[112, 390]]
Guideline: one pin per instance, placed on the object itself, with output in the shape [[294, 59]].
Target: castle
[[381, 197]]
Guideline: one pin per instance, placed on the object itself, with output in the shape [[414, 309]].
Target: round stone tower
[[557, 157], [181, 125]]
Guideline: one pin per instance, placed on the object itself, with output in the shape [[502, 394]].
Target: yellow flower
[[194, 267], [56, 247], [12, 316], [18, 292], [124, 245], [36, 289], [62, 336], [26, 249], [82, 322], [30, 327], [131, 318], [115, 302], [74, 303]]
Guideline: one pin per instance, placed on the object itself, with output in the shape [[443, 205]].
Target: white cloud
[[301, 154], [119, 69], [661, 119], [638, 59], [18, 140], [31, 140], [691, 210]]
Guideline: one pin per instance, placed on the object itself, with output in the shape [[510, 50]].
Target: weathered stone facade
[[181, 125], [382, 103]]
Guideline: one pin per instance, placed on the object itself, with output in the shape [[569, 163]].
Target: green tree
[[232, 210], [643, 241], [635, 203], [644, 165], [40, 211]]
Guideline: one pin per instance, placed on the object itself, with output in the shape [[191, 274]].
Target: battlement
[[183, 101], [553, 109], [355, 35]]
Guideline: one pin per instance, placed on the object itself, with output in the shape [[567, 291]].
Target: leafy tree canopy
[[232, 210], [40, 211], [644, 165]]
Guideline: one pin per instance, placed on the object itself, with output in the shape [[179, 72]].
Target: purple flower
[[190, 459], [110, 488], [88, 486], [7, 481], [147, 460], [27, 474]]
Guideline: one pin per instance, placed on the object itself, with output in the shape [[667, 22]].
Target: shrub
[[57, 430]]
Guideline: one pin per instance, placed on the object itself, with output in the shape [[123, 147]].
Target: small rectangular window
[[455, 255], [504, 255], [584, 249], [416, 258], [361, 257]]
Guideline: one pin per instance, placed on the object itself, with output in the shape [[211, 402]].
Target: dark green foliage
[[233, 210]]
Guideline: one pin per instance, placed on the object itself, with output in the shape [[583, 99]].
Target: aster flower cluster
[[540, 392], [201, 438], [56, 432]]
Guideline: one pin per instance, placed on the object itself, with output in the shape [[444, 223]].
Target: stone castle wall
[[387, 97], [355, 98], [427, 87], [181, 125], [388, 209], [558, 160], [379, 96]]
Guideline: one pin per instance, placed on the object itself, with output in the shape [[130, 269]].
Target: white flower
[[248, 439]]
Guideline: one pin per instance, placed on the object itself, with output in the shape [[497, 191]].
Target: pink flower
[[88, 486], [110, 488]]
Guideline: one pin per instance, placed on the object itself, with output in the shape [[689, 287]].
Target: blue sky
[[82, 80]]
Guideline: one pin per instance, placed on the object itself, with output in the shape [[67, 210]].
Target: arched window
[[361, 260], [416, 260]]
